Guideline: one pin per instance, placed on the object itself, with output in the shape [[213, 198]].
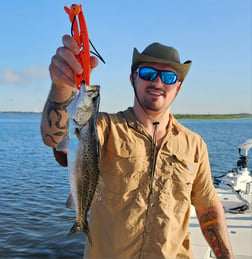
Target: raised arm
[[213, 226], [54, 122]]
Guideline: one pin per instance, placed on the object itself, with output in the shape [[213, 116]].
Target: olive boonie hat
[[159, 53]]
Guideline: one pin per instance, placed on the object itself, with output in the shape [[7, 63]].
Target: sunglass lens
[[168, 77], [150, 74], [147, 73]]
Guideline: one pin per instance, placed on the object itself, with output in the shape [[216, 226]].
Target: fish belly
[[84, 174]]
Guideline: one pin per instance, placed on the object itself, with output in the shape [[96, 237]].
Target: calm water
[[34, 221]]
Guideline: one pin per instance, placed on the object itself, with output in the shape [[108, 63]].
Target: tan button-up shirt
[[127, 219]]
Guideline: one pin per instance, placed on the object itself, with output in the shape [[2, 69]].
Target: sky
[[216, 35]]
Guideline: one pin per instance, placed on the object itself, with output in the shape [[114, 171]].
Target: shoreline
[[177, 116], [212, 116]]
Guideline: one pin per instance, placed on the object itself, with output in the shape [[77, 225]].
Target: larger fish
[[83, 155]]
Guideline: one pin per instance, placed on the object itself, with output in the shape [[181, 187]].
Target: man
[[153, 168]]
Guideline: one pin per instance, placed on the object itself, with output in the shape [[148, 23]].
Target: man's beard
[[151, 103]]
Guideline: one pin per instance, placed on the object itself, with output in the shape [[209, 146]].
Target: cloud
[[10, 76], [36, 72]]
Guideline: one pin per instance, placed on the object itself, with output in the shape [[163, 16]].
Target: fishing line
[[95, 52]]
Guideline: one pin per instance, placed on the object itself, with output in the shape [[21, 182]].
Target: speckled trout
[[83, 154]]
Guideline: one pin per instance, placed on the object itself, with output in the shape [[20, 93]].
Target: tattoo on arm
[[57, 108], [213, 229]]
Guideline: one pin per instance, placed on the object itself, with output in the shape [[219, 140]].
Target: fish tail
[[76, 227], [87, 232]]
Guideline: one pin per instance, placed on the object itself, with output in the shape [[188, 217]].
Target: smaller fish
[[83, 154]]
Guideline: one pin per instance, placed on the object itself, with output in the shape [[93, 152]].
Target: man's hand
[[64, 63]]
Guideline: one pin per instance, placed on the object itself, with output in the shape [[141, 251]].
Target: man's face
[[156, 96]]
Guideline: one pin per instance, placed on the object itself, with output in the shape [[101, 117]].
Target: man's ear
[[179, 87], [132, 78]]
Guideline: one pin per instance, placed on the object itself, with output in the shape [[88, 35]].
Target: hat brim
[[181, 69]]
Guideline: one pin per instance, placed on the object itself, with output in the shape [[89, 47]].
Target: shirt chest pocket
[[122, 165], [182, 173]]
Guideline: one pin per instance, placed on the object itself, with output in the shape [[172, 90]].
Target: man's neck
[[149, 118]]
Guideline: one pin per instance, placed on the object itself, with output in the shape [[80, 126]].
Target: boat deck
[[239, 221]]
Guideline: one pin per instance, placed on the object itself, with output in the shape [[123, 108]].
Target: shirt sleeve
[[103, 127], [203, 193]]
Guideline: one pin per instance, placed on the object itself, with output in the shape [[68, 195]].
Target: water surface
[[34, 221]]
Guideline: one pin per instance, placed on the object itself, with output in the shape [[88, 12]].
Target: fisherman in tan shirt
[[153, 168]]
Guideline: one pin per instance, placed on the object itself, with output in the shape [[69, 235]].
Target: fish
[[83, 155]]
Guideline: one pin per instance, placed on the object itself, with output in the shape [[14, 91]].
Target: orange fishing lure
[[80, 34]]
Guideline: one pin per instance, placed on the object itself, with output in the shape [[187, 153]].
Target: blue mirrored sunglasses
[[150, 74]]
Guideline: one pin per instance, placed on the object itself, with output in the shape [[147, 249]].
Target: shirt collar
[[132, 121]]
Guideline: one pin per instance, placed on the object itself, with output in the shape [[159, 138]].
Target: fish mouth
[[93, 91], [92, 88]]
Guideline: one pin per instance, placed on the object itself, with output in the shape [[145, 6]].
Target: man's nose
[[157, 80]]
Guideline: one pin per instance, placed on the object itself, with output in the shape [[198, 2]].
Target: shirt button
[[152, 204], [156, 177], [147, 231]]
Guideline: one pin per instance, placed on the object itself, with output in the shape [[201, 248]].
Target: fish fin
[[75, 228], [63, 144], [77, 133], [70, 202]]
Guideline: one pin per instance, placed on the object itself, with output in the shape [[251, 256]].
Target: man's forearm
[[213, 226], [55, 120]]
